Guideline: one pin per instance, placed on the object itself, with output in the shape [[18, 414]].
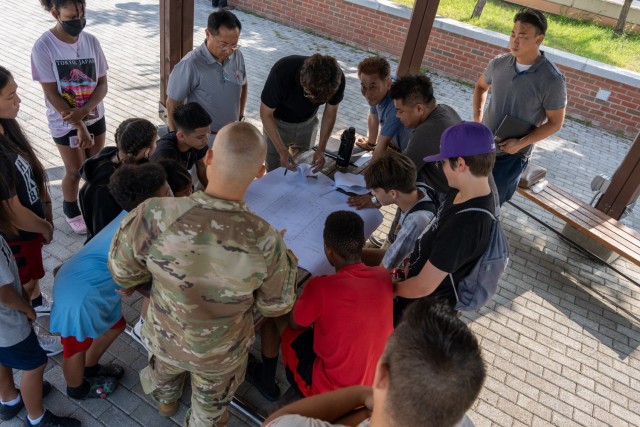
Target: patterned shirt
[[210, 261]]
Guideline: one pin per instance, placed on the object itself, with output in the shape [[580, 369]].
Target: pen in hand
[[290, 160]]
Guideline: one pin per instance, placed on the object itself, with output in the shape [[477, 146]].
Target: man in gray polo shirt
[[526, 85], [213, 74]]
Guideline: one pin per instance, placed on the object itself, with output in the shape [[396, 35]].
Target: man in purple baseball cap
[[454, 240]]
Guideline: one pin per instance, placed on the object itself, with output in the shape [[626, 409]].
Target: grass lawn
[[578, 37]]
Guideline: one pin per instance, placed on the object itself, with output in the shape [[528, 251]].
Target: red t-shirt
[[352, 315]]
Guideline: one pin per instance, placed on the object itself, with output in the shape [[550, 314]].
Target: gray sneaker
[[51, 344], [43, 309]]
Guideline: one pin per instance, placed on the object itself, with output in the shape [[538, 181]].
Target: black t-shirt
[[20, 180], [283, 91], [167, 148], [454, 243]]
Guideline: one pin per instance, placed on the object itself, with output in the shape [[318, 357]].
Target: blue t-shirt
[[390, 125], [85, 302]]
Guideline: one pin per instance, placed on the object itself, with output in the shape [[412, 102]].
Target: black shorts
[[98, 128], [298, 355], [27, 355]]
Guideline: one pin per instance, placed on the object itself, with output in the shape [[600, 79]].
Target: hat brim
[[435, 158]]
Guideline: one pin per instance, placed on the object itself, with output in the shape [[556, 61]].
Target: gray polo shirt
[[198, 77], [525, 95]]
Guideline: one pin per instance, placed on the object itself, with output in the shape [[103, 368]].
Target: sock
[[268, 371], [71, 209], [37, 420], [79, 392], [13, 402], [91, 371], [36, 301]]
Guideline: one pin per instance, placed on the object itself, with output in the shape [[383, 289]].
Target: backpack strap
[[453, 284]]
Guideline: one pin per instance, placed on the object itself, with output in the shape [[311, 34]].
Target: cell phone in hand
[[73, 141]]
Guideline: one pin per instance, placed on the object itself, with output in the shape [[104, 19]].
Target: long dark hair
[[14, 141], [6, 213]]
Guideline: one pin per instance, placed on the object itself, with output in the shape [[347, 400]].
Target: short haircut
[[534, 17], [479, 165], [178, 176], [321, 77], [375, 65], [191, 116], [344, 234], [412, 90], [393, 171], [223, 18], [435, 367], [132, 184], [134, 135], [50, 4]]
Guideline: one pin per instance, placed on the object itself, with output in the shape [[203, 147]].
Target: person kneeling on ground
[[430, 374], [19, 348], [351, 316], [392, 180], [87, 312]]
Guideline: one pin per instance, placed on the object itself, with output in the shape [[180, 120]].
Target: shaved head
[[237, 156]]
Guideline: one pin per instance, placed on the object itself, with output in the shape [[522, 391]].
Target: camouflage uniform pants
[[211, 391]]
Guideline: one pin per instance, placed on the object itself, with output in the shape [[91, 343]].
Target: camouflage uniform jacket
[[210, 261]]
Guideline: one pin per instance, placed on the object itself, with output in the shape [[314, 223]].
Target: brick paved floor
[[561, 337]]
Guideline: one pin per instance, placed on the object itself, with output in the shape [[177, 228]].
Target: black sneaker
[[51, 420], [8, 412], [253, 376]]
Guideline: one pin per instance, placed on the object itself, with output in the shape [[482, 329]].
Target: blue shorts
[[27, 355]]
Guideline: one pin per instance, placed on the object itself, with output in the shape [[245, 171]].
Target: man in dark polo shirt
[[526, 85], [417, 109], [295, 88], [188, 144]]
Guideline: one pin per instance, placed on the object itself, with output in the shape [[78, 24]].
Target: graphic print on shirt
[[77, 78], [31, 187]]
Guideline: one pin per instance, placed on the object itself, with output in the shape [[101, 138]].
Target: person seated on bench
[[454, 242], [338, 327], [392, 180], [87, 310], [430, 374]]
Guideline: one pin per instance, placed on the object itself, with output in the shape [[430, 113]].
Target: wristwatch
[[375, 202]]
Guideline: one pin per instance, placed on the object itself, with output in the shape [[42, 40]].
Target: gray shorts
[[297, 137]]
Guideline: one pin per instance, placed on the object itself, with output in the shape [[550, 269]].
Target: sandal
[[110, 370], [366, 146], [101, 387]]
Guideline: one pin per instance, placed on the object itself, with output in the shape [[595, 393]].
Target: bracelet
[[47, 203]]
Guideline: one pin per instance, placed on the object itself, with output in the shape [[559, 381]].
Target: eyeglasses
[[227, 46]]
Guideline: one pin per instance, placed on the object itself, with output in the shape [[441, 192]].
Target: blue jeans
[[506, 173]]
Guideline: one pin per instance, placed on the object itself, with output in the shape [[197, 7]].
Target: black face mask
[[73, 27]]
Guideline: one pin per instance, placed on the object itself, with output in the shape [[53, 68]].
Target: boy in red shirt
[[338, 328]]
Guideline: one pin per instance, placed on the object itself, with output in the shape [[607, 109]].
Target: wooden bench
[[607, 231]]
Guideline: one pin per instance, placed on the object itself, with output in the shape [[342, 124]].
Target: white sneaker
[[51, 344], [43, 309]]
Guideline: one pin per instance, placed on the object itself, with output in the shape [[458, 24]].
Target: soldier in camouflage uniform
[[210, 261]]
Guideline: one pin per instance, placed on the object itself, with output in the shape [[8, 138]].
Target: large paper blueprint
[[300, 202]]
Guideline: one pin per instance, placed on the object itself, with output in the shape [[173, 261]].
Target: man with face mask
[[213, 74], [71, 67]]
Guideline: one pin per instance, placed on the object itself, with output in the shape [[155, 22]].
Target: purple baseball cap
[[464, 139]]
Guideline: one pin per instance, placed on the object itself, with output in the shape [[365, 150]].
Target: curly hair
[[375, 65], [50, 4], [134, 135], [132, 184], [344, 233], [320, 76]]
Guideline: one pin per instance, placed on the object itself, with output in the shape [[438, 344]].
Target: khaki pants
[[297, 137], [211, 391]]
